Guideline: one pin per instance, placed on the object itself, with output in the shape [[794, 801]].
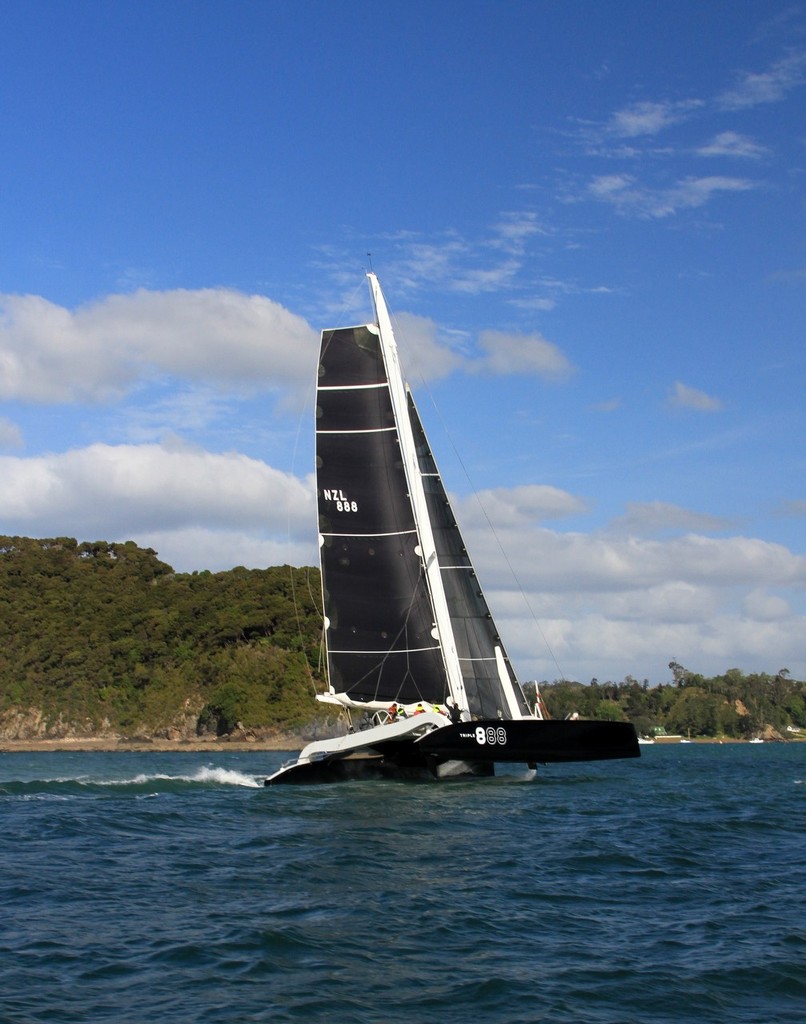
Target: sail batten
[[367, 430], [397, 533], [400, 650], [352, 387]]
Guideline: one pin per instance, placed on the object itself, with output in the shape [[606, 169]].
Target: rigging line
[[422, 578], [474, 489], [295, 449], [320, 659]]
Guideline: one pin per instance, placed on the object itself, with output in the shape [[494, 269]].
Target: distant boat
[[645, 741], [413, 655], [756, 739]]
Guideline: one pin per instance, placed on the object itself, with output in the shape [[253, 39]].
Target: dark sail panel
[[405, 678], [350, 356], [364, 408], [361, 483], [473, 627], [380, 621], [380, 643]]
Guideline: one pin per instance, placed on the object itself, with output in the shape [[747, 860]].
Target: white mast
[[428, 552]]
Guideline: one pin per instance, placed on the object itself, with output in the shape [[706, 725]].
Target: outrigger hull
[[428, 749]]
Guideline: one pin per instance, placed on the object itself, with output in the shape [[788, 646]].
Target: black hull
[[533, 741], [472, 748]]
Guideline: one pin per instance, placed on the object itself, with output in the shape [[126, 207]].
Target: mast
[[443, 627]]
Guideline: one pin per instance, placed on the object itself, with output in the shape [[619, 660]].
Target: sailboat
[[413, 655]]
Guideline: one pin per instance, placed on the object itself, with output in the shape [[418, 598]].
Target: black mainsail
[[406, 622], [379, 621]]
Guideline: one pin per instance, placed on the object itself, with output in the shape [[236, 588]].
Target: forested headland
[[106, 640]]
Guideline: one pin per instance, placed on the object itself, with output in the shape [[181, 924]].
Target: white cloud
[[552, 287], [649, 118], [685, 397], [521, 353], [515, 228], [179, 412], [761, 605], [658, 517], [421, 352], [611, 186], [796, 507], [609, 405], [769, 86], [517, 506], [427, 261], [575, 563], [10, 434], [734, 145], [127, 491], [196, 548], [628, 196], [610, 604], [592, 645], [487, 264], [98, 352], [578, 562], [477, 280], [795, 277], [670, 603], [540, 303]]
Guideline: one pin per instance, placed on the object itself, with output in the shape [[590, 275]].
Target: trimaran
[[411, 646]]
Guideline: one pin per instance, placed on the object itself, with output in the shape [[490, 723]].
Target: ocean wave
[[204, 776], [61, 787]]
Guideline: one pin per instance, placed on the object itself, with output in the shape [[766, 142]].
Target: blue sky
[[588, 220]]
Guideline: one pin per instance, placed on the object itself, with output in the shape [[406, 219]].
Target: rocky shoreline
[[31, 730]]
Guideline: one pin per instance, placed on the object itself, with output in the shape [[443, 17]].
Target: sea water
[[176, 889]]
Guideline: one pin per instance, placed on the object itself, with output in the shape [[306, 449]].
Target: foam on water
[[223, 777], [59, 786]]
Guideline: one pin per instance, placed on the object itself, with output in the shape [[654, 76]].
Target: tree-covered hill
[[102, 638], [732, 705]]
